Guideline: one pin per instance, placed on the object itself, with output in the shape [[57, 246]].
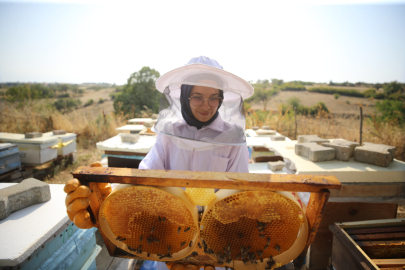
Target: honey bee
[[153, 229], [191, 243], [261, 235], [199, 245], [122, 239], [266, 246], [194, 253], [277, 247], [229, 247], [240, 235], [163, 219], [259, 253], [157, 241], [186, 230], [168, 249], [160, 219], [140, 239], [228, 260], [118, 238], [183, 243], [268, 240], [178, 230], [148, 254]]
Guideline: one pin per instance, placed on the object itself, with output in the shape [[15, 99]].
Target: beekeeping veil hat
[[228, 128]]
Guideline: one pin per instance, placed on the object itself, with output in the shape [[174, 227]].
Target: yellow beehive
[[156, 223], [253, 229]]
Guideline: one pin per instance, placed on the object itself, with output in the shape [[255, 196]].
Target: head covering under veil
[[186, 112], [227, 126]]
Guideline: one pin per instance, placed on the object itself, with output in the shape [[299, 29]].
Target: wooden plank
[[268, 158], [315, 210], [389, 262], [375, 230], [378, 236], [371, 189], [392, 222], [349, 249], [379, 243], [321, 248], [222, 180], [261, 149], [342, 259], [122, 153]]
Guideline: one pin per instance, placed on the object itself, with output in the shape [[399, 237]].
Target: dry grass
[[329, 127], [91, 124]]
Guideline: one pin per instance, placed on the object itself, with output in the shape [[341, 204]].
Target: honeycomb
[[256, 228], [200, 196], [154, 223]]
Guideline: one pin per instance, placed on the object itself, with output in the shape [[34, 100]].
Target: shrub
[[100, 101], [292, 86], [65, 105], [81, 91], [391, 110], [89, 102], [66, 95], [331, 91], [336, 95], [347, 102]]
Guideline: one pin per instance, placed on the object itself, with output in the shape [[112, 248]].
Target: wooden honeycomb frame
[[318, 185]]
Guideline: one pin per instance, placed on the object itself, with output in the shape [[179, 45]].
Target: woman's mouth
[[204, 114]]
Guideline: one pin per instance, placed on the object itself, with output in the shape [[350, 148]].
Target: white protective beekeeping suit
[[221, 145]]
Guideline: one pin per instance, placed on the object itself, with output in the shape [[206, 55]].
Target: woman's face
[[204, 112]]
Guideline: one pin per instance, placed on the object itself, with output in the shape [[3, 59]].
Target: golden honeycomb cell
[[200, 196], [156, 223], [244, 229]]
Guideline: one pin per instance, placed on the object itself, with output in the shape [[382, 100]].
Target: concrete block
[[265, 127], [311, 138], [314, 152], [131, 138], [255, 128], [376, 154], [265, 132], [59, 132], [28, 192], [277, 137], [31, 135], [343, 149], [154, 116], [276, 165], [148, 124]]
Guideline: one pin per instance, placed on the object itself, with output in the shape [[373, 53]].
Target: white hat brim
[[176, 77]]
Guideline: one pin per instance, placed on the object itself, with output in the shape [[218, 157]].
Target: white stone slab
[[20, 138], [263, 141], [61, 138], [26, 230], [144, 144], [141, 120], [136, 128], [346, 171], [262, 167]]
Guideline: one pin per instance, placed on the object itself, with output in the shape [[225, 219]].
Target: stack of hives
[[241, 229]]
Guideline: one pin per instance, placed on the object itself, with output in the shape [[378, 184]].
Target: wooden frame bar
[[318, 185]]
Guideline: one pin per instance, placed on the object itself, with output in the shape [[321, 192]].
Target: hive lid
[[20, 138]]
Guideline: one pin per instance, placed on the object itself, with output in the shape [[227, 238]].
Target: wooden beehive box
[[376, 244]]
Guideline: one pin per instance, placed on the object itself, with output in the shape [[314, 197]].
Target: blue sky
[[68, 42]]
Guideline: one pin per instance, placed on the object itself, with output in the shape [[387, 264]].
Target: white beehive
[[34, 151]]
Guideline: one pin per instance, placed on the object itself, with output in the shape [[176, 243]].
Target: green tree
[[64, 87], [393, 88], [391, 110], [276, 82], [66, 105], [139, 91], [264, 95]]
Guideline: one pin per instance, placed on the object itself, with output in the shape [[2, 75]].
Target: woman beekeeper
[[201, 122], [200, 127]]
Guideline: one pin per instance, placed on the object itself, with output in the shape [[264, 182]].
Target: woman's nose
[[205, 104]]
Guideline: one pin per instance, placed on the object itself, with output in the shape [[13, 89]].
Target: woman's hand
[[77, 200]]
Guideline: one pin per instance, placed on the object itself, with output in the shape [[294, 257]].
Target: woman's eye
[[214, 99], [197, 98]]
